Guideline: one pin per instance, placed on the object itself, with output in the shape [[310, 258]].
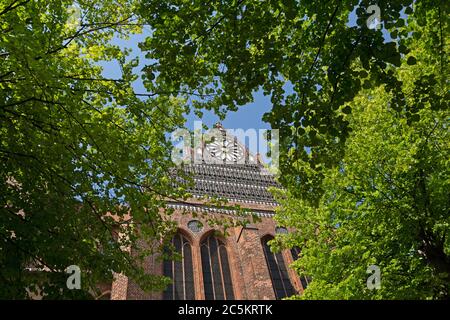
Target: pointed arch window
[[281, 283], [216, 270], [181, 272], [295, 251]]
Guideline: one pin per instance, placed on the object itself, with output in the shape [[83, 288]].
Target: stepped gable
[[225, 168]]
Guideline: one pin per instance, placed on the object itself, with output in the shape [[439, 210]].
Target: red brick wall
[[249, 271]]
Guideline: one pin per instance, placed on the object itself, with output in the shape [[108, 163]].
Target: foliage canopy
[[362, 113]]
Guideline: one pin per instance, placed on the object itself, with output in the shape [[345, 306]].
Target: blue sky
[[247, 116]]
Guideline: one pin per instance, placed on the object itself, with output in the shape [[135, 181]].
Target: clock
[[224, 150]]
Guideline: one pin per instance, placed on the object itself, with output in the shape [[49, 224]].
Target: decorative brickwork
[[244, 184]]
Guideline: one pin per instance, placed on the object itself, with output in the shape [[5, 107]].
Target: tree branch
[[13, 6]]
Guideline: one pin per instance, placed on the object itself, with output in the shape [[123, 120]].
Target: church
[[238, 266]]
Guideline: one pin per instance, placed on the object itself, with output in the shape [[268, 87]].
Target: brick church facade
[[216, 267]]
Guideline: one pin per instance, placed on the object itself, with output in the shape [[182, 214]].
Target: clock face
[[225, 150]]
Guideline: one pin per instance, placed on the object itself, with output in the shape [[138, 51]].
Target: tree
[[220, 54], [74, 146], [386, 204], [364, 144]]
